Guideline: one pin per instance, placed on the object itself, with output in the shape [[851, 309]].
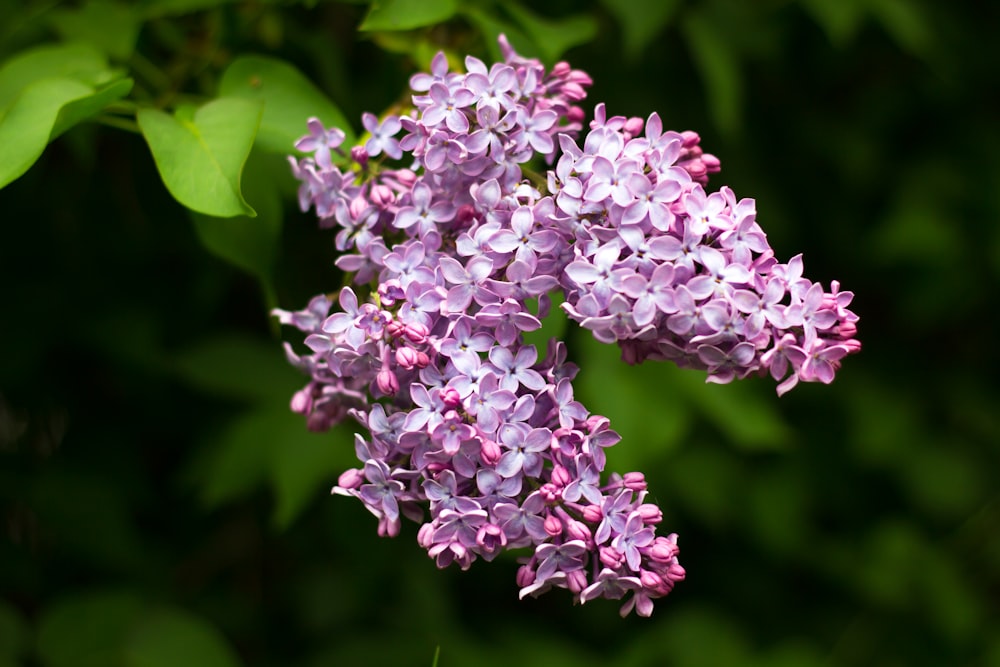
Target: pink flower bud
[[652, 581], [560, 476], [359, 155], [553, 526], [525, 576], [662, 550], [302, 401], [576, 581], [592, 514], [579, 531], [633, 126], [651, 514], [387, 382], [610, 557], [416, 333], [382, 196], [490, 452], [318, 422], [425, 536], [550, 492], [407, 357], [387, 528], [450, 397], [635, 481], [357, 207], [351, 478]]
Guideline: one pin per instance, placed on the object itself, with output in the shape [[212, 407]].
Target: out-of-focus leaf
[[718, 65], [87, 107], [698, 637], [75, 61], [87, 629], [239, 367], [273, 446], [290, 99], [200, 156], [646, 407], [159, 8], [13, 634], [249, 243], [641, 21], [906, 22], [553, 37], [840, 20], [112, 27], [172, 637], [708, 483], [492, 27], [407, 14], [25, 126], [746, 415], [306, 465]]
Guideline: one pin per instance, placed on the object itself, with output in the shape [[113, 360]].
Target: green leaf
[[289, 98], [160, 8], [200, 155], [907, 24], [239, 367], [840, 20], [645, 404], [13, 633], [305, 466], [87, 630], [112, 27], [173, 637], [27, 124], [714, 57], [407, 14], [492, 27], [87, 107], [250, 243], [641, 21], [76, 61], [553, 37]]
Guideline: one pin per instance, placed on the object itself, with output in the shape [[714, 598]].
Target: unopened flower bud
[[560, 476], [610, 557], [387, 382], [635, 481], [352, 478], [407, 357], [576, 581], [592, 514], [451, 398], [553, 526], [359, 155], [525, 576], [382, 196], [651, 514], [302, 401], [490, 452], [416, 333], [388, 528], [579, 531]]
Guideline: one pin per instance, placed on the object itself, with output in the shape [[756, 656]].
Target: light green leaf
[[641, 21], [907, 23], [82, 109], [76, 61], [407, 14], [240, 458], [112, 27], [714, 57], [87, 630], [289, 100], [200, 155], [27, 124], [250, 243], [173, 637], [553, 37]]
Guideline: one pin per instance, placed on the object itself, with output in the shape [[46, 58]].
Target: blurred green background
[[160, 506]]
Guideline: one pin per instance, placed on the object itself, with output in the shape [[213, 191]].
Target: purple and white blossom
[[453, 253]]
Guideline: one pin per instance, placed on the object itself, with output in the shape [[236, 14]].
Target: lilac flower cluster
[[454, 256]]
